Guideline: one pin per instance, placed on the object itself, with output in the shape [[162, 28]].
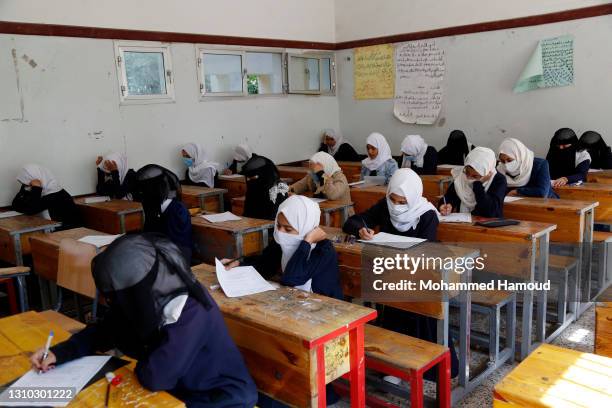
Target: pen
[[233, 260], [365, 225], [46, 353]]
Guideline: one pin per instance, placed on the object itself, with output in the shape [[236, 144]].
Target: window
[[145, 73], [240, 73], [311, 74]]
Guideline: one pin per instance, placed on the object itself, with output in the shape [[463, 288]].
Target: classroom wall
[[262, 18], [481, 70], [359, 19], [59, 106]]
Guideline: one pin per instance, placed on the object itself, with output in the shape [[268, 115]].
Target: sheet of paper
[[221, 217], [595, 170], [448, 166], [318, 200], [8, 214], [99, 199], [419, 75], [74, 374], [511, 199], [550, 65], [230, 176], [374, 180], [394, 241], [241, 281], [99, 240], [357, 183], [373, 72], [457, 217]]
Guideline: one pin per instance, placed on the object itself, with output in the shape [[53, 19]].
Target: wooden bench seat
[[601, 236], [489, 297]]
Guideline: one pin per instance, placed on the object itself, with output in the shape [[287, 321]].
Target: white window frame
[[164, 49], [319, 57], [242, 51]]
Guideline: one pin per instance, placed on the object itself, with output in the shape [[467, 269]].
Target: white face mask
[[512, 168], [289, 243], [395, 210]]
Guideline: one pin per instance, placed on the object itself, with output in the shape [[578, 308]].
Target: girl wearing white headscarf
[[333, 143], [418, 156], [404, 211], [115, 178], [199, 171], [477, 187], [242, 154], [41, 194], [525, 174], [325, 180], [379, 162]]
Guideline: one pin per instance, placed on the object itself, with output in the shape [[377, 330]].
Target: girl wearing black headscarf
[[265, 191], [456, 149], [601, 156], [161, 316], [159, 190], [567, 164]]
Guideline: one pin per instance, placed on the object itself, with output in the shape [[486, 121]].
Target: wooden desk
[[350, 262], [295, 342], [603, 328], [45, 255], [230, 239], [333, 213], [557, 377], [22, 334], [236, 186], [604, 176], [112, 217], [445, 169], [209, 199], [365, 197], [574, 221], [352, 170], [293, 172], [598, 192], [15, 243], [434, 186], [517, 251]]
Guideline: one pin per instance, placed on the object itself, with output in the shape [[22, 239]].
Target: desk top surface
[[117, 206], [557, 377], [245, 223], [26, 223], [526, 229], [201, 191], [292, 312], [552, 204], [600, 188], [55, 238]]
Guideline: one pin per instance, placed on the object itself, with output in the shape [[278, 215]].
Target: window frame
[[165, 50], [242, 51], [319, 56]]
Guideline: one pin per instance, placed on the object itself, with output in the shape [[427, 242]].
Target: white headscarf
[[406, 183], [243, 152], [337, 136], [202, 170], [481, 159], [384, 151], [303, 215], [414, 145], [522, 155], [122, 164], [330, 166], [48, 181]]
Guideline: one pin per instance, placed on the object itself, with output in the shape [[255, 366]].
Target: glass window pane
[[145, 73], [222, 73], [326, 83], [304, 74], [265, 73]]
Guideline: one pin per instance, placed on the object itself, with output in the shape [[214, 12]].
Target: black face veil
[[139, 274], [154, 184], [562, 162]]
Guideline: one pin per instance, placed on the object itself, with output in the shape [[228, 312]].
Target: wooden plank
[[11, 225], [105, 216], [603, 327], [556, 377], [599, 192], [45, 249]]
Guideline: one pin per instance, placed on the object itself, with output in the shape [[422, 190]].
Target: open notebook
[[393, 241]]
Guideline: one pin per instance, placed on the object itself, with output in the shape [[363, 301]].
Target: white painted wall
[[71, 113], [358, 19], [481, 72], [311, 20]]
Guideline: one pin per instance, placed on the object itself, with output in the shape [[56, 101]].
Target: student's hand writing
[[99, 160], [227, 172], [559, 182], [110, 165], [36, 183], [230, 265], [43, 366], [366, 233], [315, 236], [446, 209]]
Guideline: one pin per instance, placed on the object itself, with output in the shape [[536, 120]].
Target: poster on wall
[[551, 65], [374, 73], [419, 76]]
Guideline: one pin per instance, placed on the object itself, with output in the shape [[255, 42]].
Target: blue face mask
[[409, 158], [188, 161]]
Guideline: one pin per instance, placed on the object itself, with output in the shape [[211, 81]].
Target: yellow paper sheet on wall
[[374, 72]]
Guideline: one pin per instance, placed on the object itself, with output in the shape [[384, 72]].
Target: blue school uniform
[[386, 170], [539, 182]]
